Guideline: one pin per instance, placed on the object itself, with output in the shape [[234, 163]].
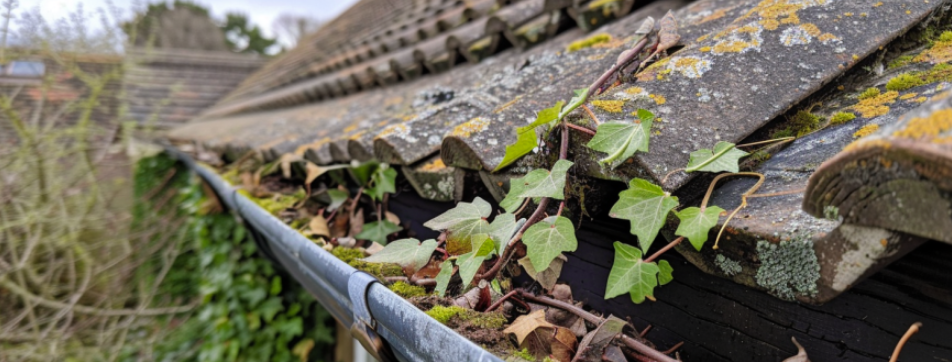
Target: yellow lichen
[[659, 99], [313, 145], [635, 91], [703, 37], [690, 67], [827, 37], [705, 49], [811, 29], [927, 127], [866, 130], [877, 105], [350, 128], [611, 106], [920, 99], [908, 96], [717, 14], [842, 117], [876, 5], [940, 52], [467, 128], [436, 165], [588, 42]]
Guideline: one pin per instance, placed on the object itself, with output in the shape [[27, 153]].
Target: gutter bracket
[[364, 325]]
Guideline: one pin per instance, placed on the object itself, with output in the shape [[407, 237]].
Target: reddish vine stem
[[596, 320], [905, 337], [630, 55], [670, 245], [580, 129], [353, 204], [503, 299], [644, 332], [561, 207]]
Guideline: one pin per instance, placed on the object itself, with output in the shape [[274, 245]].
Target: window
[[25, 68]]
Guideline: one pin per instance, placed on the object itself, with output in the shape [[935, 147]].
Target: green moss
[[800, 124], [379, 270], [842, 117], [407, 291], [903, 81], [279, 202], [869, 93], [728, 266], [788, 269], [347, 255], [524, 354], [232, 176], [786, 132], [492, 320], [588, 42], [900, 61], [946, 36]]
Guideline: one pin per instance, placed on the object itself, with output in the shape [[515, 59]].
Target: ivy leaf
[[724, 157], [621, 139], [631, 274], [409, 253], [338, 198], [513, 199], [665, 272], [547, 239], [695, 225], [378, 231], [469, 263], [545, 183], [463, 213], [526, 139], [581, 95], [646, 205], [363, 172], [384, 179], [443, 278], [502, 229]]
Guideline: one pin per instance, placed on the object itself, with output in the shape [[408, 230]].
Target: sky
[[261, 12]]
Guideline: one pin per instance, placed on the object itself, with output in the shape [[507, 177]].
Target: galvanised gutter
[[386, 324]]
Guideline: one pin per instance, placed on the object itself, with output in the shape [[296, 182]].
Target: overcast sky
[[261, 12]]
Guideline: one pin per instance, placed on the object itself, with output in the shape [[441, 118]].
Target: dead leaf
[[430, 271], [526, 324], [318, 226], [373, 248], [248, 181], [346, 242], [313, 172], [548, 277], [595, 341], [391, 217], [563, 344], [668, 35], [339, 227], [614, 354], [356, 222], [801, 353], [286, 160]]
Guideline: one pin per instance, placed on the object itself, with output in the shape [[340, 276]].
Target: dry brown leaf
[[373, 248], [248, 181], [594, 343], [668, 35], [356, 222], [391, 217], [801, 353], [318, 226], [286, 160], [563, 344], [313, 172], [526, 324], [614, 354]]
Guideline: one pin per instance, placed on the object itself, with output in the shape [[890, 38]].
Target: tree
[[243, 37], [184, 25], [294, 27]]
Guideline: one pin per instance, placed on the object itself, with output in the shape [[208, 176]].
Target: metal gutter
[[384, 322]]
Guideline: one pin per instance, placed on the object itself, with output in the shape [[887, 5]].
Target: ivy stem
[[523, 207], [500, 300], [596, 320], [561, 207], [591, 114], [644, 332], [353, 204], [503, 259], [670, 245], [580, 128], [905, 337], [630, 55], [775, 140], [743, 197]]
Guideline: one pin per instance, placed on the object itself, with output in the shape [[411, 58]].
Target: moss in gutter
[[379, 270], [407, 291], [347, 255], [445, 315]]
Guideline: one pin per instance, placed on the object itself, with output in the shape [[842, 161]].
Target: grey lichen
[[728, 266], [788, 269]]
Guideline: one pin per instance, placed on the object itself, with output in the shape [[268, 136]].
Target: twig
[[905, 337], [644, 332], [630, 55], [503, 259], [670, 245], [779, 193], [353, 204], [591, 318], [675, 348], [561, 207], [503, 299], [523, 207], [743, 197], [580, 128], [776, 140], [591, 114]]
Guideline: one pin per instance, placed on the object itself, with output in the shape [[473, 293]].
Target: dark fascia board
[[410, 333]]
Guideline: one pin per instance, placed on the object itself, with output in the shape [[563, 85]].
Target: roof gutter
[[388, 326]]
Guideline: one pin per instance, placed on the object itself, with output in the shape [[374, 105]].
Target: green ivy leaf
[[581, 95], [502, 229], [526, 139], [547, 239], [513, 199], [695, 225], [443, 278], [621, 139], [409, 253], [378, 231], [384, 180], [545, 183], [363, 172], [469, 263], [646, 205], [665, 272], [724, 157], [464, 220], [631, 274], [337, 197]]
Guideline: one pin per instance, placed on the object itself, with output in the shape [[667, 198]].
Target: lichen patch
[[691, 67], [467, 128], [874, 106], [927, 127]]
